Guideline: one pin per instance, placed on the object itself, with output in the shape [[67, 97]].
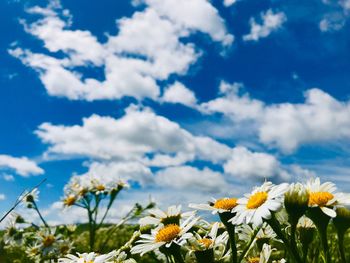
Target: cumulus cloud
[[148, 48], [118, 171], [8, 177], [270, 22], [2, 197], [321, 118], [137, 135], [234, 103], [246, 164], [22, 166], [229, 2], [332, 22], [188, 177], [197, 15], [178, 93]]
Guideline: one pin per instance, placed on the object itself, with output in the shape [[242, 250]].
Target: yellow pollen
[[254, 260], [70, 200], [168, 233], [48, 240], [100, 187], [206, 242], [320, 198], [256, 200], [226, 203], [83, 191]]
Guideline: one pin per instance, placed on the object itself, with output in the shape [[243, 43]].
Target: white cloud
[[332, 22], [8, 177], [22, 166], [229, 2], [234, 104], [136, 136], [116, 171], [287, 126], [270, 22], [2, 197], [178, 93], [147, 49], [320, 119], [246, 164], [197, 15], [188, 177]]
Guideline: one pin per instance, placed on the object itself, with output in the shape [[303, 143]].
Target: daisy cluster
[[272, 223]]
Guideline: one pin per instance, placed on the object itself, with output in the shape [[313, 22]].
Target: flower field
[[273, 223]]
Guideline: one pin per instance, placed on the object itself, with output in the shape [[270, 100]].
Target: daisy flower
[[264, 256], [30, 197], [173, 215], [164, 235], [209, 241], [89, 257], [324, 196], [217, 205], [259, 204]]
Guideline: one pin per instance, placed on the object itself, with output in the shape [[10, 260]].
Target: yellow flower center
[[320, 198], [226, 203], [168, 233], [83, 191], [100, 187], [256, 200], [48, 240], [206, 242], [70, 200], [254, 260]]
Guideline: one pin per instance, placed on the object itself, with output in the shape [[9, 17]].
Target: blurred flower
[[296, 201], [173, 215], [89, 258]]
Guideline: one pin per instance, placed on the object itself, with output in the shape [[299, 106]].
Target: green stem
[[225, 217], [91, 231], [175, 251], [293, 242], [246, 249], [277, 228], [305, 252], [321, 220], [41, 217], [341, 234], [323, 233], [206, 256]]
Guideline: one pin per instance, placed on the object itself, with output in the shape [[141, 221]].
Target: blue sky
[[207, 94]]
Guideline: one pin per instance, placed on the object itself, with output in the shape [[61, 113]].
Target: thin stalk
[[246, 249], [293, 242], [305, 252], [110, 203], [322, 230], [41, 217], [20, 199], [225, 217], [91, 230], [175, 251], [277, 229], [206, 256], [341, 234]]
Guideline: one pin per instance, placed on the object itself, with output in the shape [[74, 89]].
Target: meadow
[[273, 223]]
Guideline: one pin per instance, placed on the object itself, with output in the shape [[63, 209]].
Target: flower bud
[[342, 220], [296, 201]]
